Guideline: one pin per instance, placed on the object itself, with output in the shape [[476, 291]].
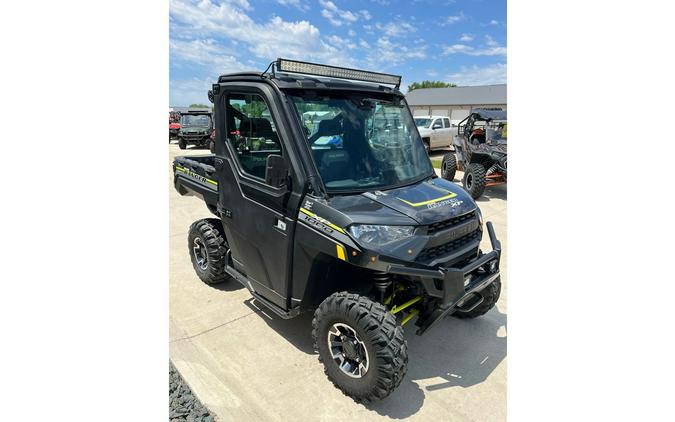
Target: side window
[[437, 123], [446, 122], [251, 132]]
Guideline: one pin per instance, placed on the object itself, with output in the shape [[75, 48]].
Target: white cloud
[[351, 33], [335, 15], [338, 42], [364, 44], [299, 39], [299, 4], [395, 29], [466, 37], [494, 22], [491, 48], [190, 91], [455, 18], [391, 53], [479, 75], [206, 53], [365, 14], [381, 2]]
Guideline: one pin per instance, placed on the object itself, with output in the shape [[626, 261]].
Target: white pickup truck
[[436, 131]]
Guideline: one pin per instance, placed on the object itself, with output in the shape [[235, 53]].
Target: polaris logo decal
[[318, 222], [448, 202]]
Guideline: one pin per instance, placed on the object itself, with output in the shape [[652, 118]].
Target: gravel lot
[[183, 405]]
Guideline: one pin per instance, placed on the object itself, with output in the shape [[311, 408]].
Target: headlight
[[371, 235]]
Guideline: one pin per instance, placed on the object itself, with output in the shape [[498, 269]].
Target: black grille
[[442, 225], [431, 254]]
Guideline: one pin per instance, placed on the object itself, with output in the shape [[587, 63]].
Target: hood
[[427, 202], [423, 203]]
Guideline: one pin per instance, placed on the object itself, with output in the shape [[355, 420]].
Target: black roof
[[299, 81], [486, 114]]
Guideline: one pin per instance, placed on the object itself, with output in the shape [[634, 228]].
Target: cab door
[[259, 219], [437, 133]]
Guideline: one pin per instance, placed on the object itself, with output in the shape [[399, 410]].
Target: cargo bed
[[195, 176]]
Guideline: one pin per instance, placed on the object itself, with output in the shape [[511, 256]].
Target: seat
[[327, 128], [335, 165]]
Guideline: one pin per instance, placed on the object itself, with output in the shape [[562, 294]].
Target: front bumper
[[452, 287], [200, 139]]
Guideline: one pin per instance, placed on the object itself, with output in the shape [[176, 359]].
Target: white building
[[457, 102]]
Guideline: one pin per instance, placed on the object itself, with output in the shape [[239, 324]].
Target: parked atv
[[346, 218], [480, 151], [174, 128], [196, 126]]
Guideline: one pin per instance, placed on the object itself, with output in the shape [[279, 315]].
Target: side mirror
[[210, 95], [276, 171]]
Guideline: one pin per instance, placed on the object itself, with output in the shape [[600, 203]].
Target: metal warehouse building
[[457, 102]]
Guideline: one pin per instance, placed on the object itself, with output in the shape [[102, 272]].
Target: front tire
[[449, 167], [474, 180], [182, 143], [368, 356], [208, 250], [490, 297]]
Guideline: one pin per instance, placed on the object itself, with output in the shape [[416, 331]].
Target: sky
[[458, 41]]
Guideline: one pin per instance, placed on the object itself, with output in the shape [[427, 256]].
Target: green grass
[[436, 162]]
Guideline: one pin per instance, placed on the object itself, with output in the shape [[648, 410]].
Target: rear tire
[[490, 297], [449, 167], [427, 146], [378, 344], [474, 180], [208, 250], [182, 143]]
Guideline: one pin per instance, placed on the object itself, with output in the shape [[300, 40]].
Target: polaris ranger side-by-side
[[327, 202], [196, 126]]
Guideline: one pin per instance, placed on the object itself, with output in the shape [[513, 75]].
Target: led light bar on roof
[[292, 66]]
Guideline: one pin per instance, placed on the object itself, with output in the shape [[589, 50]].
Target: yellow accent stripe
[[184, 170], [431, 201], [340, 252], [322, 220], [308, 212]]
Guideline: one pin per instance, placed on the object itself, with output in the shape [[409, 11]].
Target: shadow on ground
[[493, 192], [228, 286], [455, 353]]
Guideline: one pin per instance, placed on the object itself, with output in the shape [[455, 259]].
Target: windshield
[[422, 122], [195, 120], [361, 143], [496, 132]]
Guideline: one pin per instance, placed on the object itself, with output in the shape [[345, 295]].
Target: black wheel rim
[[347, 350], [200, 253], [469, 181], [444, 167]]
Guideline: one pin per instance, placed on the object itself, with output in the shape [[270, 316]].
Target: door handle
[[280, 224]]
